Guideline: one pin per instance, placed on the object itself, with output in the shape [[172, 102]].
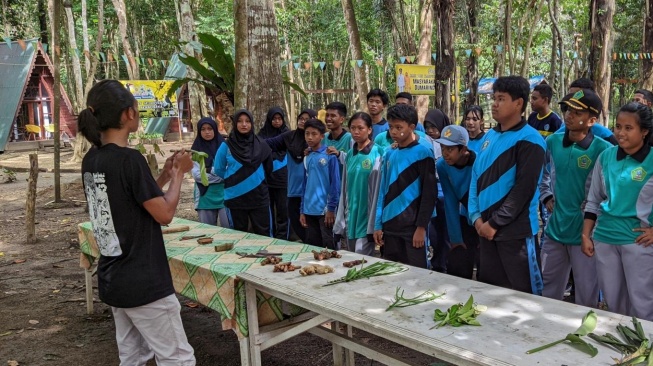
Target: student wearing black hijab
[[243, 162], [209, 200], [275, 125], [294, 144]]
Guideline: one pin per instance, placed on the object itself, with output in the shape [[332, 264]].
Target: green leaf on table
[[587, 326]]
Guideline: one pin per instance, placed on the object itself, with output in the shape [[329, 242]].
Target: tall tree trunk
[[292, 114], [537, 6], [90, 77], [425, 46], [5, 10], [647, 45], [472, 66], [121, 13], [77, 68], [507, 37], [196, 93], [560, 51], [445, 63], [356, 52], [602, 13], [43, 22], [54, 10], [87, 48], [258, 79]]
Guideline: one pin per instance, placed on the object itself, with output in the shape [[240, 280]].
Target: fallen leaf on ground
[[191, 304], [55, 291], [12, 363], [5, 334], [20, 330], [33, 322], [19, 261], [2, 254]]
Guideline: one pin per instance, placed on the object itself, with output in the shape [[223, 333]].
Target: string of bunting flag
[[104, 57]]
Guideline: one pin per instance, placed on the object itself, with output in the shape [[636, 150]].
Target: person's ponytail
[[89, 127], [105, 103]]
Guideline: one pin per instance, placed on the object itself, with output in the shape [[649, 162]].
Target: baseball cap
[[583, 100], [453, 135]]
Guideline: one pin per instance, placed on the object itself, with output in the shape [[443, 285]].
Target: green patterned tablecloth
[[208, 277]]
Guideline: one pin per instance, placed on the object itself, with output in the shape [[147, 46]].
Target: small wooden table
[[514, 322]]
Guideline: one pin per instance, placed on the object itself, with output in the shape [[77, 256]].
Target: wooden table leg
[[244, 352], [349, 354], [252, 325], [88, 276], [337, 349]]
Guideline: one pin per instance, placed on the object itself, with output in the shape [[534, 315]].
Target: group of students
[[397, 183]]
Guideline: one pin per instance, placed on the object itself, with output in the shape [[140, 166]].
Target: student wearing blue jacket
[[294, 144], [377, 101], [407, 192], [503, 194], [275, 125], [321, 188], [455, 175], [243, 162]]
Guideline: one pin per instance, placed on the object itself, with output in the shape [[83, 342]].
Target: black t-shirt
[[133, 267], [547, 125]]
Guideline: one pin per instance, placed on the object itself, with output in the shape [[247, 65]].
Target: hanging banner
[[151, 97], [415, 79]]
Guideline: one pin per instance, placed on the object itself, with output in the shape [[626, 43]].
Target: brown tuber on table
[[354, 263], [315, 268], [203, 241], [271, 259], [325, 254], [285, 267]]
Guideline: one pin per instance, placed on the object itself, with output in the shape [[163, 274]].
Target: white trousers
[[152, 330], [557, 260], [625, 277]]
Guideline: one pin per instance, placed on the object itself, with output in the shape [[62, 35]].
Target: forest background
[[340, 49]]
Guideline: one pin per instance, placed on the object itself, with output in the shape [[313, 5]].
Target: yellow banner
[[151, 97], [415, 79]]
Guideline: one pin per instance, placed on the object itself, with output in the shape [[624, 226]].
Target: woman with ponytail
[[127, 208]]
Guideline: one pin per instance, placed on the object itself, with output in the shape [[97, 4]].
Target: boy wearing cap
[[570, 159], [455, 173], [503, 194], [407, 192]]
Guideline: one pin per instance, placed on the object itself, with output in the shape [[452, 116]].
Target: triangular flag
[[521, 49], [379, 62], [410, 58], [434, 56], [402, 59], [641, 55], [111, 58], [455, 53], [360, 63], [138, 60], [478, 51], [614, 56], [316, 64], [102, 57], [468, 53], [22, 44], [307, 65], [296, 65], [45, 47], [142, 60], [57, 50], [7, 41], [163, 63], [337, 64], [352, 63], [124, 58], [322, 65], [499, 48], [79, 54], [558, 53], [149, 61]]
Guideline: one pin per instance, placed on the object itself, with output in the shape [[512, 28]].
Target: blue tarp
[[485, 84]]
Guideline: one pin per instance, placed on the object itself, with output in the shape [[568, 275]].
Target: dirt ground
[[43, 318]]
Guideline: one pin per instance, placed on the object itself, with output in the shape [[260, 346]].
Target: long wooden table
[[209, 277], [513, 323]]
